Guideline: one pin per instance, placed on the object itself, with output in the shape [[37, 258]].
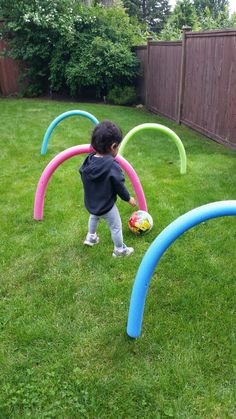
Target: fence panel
[[142, 55], [163, 77], [194, 83], [9, 72], [209, 90]]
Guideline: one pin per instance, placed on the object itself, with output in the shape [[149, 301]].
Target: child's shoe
[[91, 239], [124, 251]]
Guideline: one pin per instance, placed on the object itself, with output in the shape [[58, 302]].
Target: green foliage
[[33, 29], [198, 18], [207, 20], [133, 8], [152, 13], [183, 14], [68, 47], [232, 20], [170, 32], [157, 13], [125, 95], [214, 7], [101, 55]]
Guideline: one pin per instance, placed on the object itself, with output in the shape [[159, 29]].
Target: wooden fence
[[9, 71], [193, 81]]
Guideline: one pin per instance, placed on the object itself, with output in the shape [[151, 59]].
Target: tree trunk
[[108, 3], [144, 13]]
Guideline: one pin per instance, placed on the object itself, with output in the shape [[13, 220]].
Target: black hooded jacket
[[103, 180]]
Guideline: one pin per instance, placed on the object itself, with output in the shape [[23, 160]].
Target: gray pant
[[113, 221]]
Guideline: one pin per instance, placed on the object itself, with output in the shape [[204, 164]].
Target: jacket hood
[[95, 168]]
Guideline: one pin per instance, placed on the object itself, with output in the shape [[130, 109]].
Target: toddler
[[103, 180]]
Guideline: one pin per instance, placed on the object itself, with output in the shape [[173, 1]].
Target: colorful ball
[[140, 222]]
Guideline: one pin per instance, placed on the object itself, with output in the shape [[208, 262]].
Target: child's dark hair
[[104, 135]]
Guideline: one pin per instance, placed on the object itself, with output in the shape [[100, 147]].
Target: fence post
[[182, 73], [149, 39]]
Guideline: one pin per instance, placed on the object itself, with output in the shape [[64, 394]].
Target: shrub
[[100, 56], [125, 95], [32, 29], [69, 48]]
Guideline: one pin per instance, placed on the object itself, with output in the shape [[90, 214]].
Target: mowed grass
[[64, 352]]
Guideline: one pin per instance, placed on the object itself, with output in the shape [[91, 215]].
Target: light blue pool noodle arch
[[59, 118], [156, 250]]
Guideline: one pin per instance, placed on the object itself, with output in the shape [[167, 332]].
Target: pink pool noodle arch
[[74, 151]]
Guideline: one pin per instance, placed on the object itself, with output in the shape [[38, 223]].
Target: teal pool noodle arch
[[159, 128], [60, 118], [158, 248]]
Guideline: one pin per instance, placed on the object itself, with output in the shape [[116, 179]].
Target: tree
[[232, 20], [133, 8], [207, 21], [157, 13], [153, 13], [106, 3], [183, 14], [100, 57], [214, 6]]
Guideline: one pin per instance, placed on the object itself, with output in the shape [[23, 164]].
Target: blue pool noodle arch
[[156, 250], [59, 118]]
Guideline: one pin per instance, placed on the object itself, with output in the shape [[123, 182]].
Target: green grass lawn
[[64, 352]]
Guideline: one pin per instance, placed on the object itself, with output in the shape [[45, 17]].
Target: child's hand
[[132, 202]]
